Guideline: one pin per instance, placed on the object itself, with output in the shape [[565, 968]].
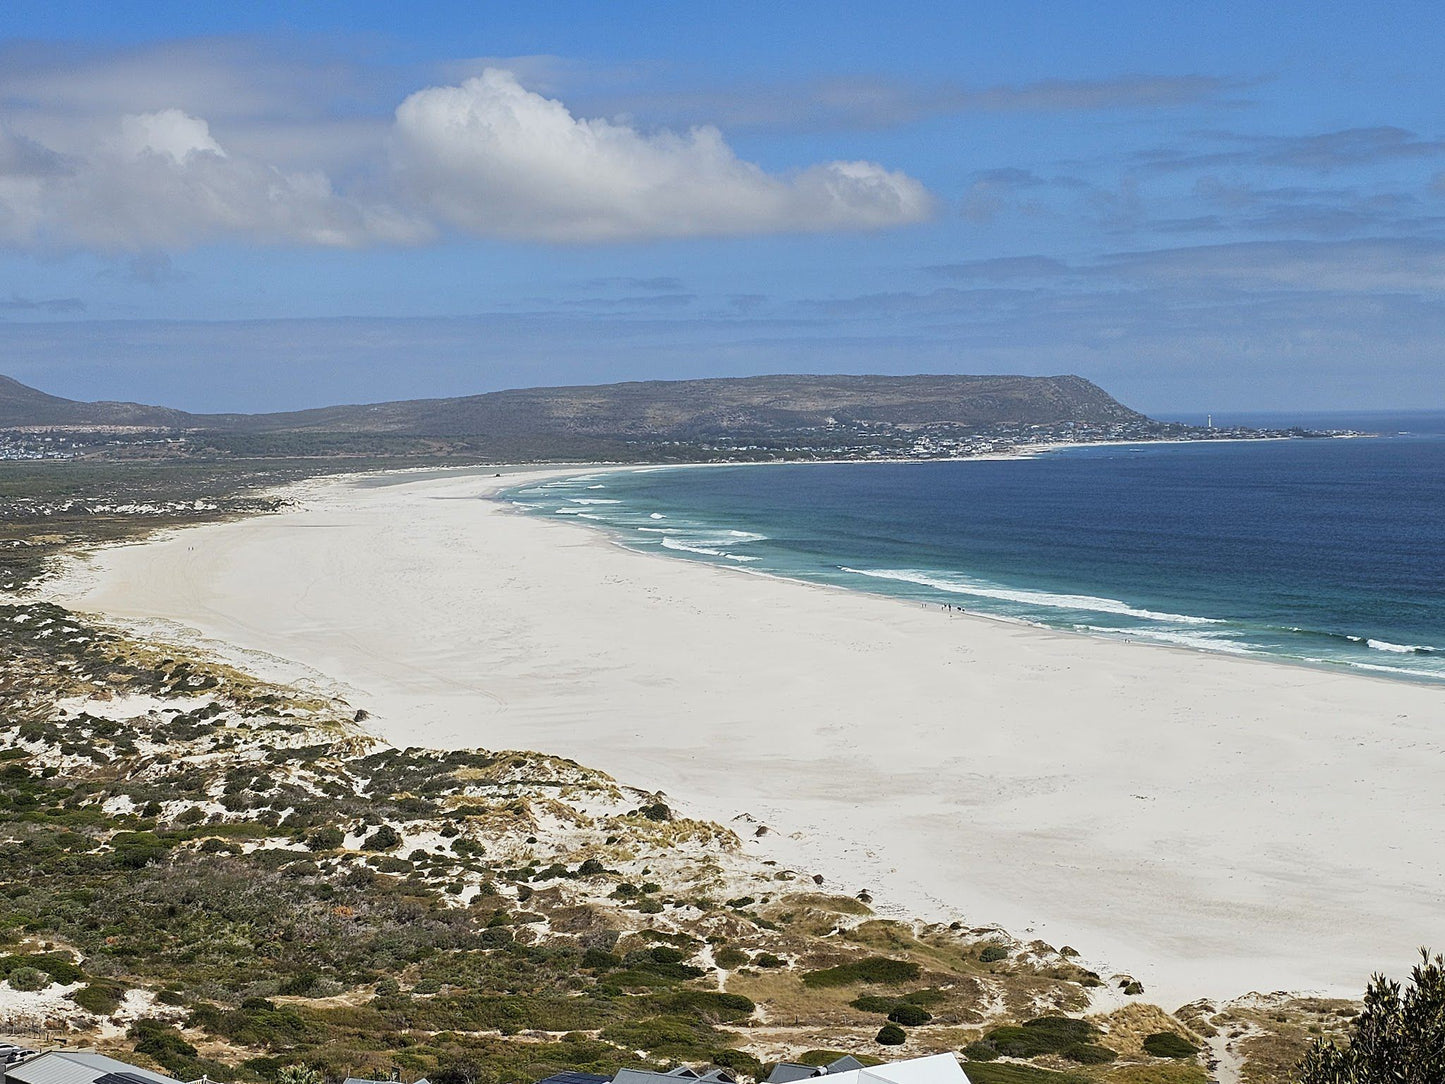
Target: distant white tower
[[1209, 421]]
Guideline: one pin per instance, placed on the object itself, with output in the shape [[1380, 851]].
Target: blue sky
[[264, 206]]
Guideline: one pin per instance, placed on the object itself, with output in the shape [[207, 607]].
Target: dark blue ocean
[[1329, 552]]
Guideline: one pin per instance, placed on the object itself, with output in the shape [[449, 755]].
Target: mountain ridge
[[692, 409]]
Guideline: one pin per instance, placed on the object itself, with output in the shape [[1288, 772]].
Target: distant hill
[[699, 409], [669, 409], [21, 405], [748, 417]]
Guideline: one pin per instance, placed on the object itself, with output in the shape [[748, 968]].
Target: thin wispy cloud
[[53, 305], [858, 102], [1323, 152]]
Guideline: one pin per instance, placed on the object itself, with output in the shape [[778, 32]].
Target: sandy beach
[[1212, 825]]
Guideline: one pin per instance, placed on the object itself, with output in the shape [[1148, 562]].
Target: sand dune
[[1210, 824]]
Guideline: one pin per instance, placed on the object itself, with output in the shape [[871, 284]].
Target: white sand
[[1213, 825]]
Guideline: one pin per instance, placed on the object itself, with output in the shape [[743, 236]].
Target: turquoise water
[[1329, 552]]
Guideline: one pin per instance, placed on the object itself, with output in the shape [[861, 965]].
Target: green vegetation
[[1042, 1035], [874, 969], [1089, 1054], [1000, 1073], [910, 1016], [1166, 1044], [890, 1035], [1399, 1038]]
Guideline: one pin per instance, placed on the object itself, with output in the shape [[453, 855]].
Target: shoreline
[[747, 695], [618, 537]]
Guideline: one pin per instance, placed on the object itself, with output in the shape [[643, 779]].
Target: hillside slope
[[22, 405], [681, 409]]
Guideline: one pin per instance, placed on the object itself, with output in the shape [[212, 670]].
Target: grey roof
[[786, 1072], [79, 1067], [682, 1072], [574, 1078]]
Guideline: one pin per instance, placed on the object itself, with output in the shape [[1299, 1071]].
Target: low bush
[[28, 979], [101, 998], [1166, 1044], [730, 958], [910, 1016], [1089, 1054], [740, 1061], [325, 839], [384, 838], [874, 969], [982, 1050], [1043, 1035], [1001, 1073], [891, 1035], [992, 953]]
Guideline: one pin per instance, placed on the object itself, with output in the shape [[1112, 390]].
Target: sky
[[268, 206]]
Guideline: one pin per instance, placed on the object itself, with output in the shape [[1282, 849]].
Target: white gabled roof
[[935, 1069]]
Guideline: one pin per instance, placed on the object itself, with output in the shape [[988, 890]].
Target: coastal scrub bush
[[1399, 1038], [992, 953], [1043, 1035], [325, 839], [739, 1061], [166, 1045], [910, 1016], [28, 979], [385, 838], [873, 969], [101, 998], [891, 1035], [980, 1050], [730, 957], [135, 850], [1166, 1044], [1089, 1054], [874, 1003], [767, 959], [708, 1005], [1003, 1073]]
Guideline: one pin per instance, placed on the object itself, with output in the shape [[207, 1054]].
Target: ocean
[[1328, 552]]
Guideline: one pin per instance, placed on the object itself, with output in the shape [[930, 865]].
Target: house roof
[[80, 1067], [938, 1069], [786, 1072], [672, 1076], [574, 1078]]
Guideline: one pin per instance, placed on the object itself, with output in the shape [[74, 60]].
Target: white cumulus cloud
[[486, 157], [161, 180], [170, 132], [493, 158]]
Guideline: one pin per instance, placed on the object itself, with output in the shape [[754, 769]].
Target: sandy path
[[1212, 824]]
